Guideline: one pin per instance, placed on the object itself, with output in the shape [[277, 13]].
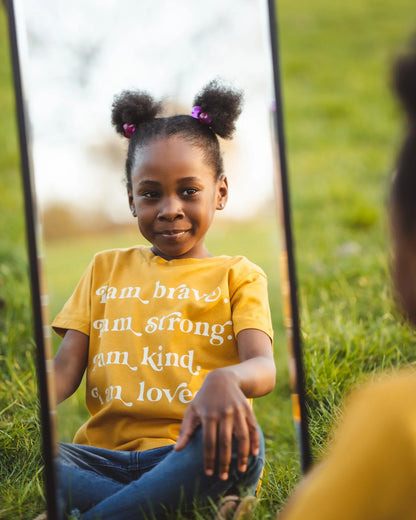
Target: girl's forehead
[[168, 153]]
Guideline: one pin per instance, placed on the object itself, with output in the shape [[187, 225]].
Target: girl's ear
[[222, 192], [131, 202]]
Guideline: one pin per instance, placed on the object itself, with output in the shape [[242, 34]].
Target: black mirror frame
[[288, 267], [38, 296]]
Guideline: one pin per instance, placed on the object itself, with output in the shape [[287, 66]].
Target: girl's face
[[174, 195]]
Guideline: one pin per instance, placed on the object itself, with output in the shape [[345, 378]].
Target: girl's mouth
[[172, 235]]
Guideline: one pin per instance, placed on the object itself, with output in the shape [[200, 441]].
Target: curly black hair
[[404, 185], [221, 103]]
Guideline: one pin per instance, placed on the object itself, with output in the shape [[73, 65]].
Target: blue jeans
[[123, 485]]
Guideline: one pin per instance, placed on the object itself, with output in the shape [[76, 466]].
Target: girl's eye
[[150, 194], [190, 191]]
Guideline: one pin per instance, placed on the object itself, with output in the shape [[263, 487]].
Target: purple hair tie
[[128, 130], [203, 117]]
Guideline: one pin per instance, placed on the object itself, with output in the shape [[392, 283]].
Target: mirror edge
[[288, 266], [38, 296]]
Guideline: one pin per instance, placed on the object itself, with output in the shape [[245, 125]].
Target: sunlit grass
[[343, 129], [21, 485]]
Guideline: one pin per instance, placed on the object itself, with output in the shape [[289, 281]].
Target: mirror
[[73, 68]]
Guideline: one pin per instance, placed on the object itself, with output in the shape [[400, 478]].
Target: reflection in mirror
[[74, 69]]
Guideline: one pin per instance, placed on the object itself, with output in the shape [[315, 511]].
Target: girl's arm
[[70, 363], [256, 371], [221, 405]]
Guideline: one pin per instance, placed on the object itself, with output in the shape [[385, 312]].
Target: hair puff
[[133, 107], [223, 104]]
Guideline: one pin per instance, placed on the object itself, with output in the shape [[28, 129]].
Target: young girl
[[174, 340], [370, 470]]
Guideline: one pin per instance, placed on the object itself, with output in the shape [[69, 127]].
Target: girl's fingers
[[254, 435], [218, 437], [225, 440], [209, 438], [243, 437]]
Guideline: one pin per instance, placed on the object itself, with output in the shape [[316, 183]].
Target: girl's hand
[[223, 411], [221, 405]]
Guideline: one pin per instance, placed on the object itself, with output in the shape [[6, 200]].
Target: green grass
[[343, 128]]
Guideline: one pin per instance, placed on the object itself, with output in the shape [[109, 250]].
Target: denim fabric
[[123, 485]]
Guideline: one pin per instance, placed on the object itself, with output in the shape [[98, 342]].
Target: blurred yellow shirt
[[370, 470], [156, 328]]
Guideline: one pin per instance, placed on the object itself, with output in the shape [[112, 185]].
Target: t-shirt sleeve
[[249, 300], [76, 312]]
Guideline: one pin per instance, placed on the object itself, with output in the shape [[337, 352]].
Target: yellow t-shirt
[[156, 328]]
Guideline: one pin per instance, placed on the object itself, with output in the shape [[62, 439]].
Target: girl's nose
[[170, 209]]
